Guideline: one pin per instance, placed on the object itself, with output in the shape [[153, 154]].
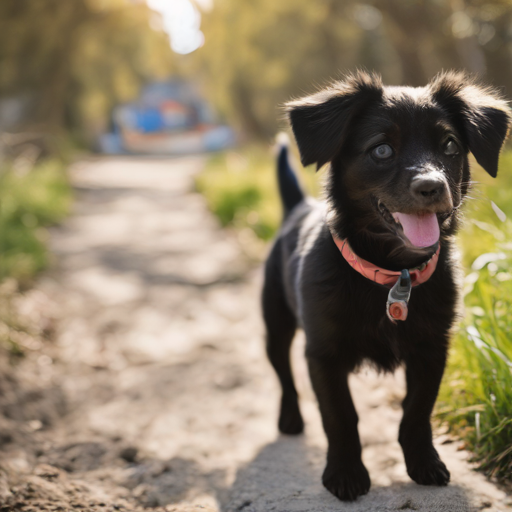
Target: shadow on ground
[[285, 476]]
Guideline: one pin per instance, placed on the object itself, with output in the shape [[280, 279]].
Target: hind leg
[[281, 326]]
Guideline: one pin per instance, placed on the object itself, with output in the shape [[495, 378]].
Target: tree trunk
[[499, 57], [53, 96], [244, 105]]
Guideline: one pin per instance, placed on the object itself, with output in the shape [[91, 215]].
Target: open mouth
[[421, 229]]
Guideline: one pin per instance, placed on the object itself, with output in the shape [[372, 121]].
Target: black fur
[[309, 284], [289, 188]]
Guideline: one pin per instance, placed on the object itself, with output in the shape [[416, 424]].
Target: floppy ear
[[320, 121], [480, 112]]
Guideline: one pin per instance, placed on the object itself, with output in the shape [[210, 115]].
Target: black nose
[[428, 188]]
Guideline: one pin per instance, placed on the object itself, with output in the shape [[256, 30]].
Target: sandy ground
[[156, 392]]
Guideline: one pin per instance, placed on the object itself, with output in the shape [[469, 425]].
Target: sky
[[182, 21]]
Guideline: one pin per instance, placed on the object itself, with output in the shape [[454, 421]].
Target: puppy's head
[[399, 158]]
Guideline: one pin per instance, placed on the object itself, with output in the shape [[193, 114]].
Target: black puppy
[[398, 175]]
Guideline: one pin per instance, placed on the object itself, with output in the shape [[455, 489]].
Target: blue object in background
[[149, 120], [220, 137], [111, 144], [169, 118]]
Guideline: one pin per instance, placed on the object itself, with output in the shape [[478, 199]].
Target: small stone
[[47, 472], [129, 454]]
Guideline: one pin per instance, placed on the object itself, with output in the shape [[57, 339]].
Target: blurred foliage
[[73, 60], [30, 200], [260, 53], [241, 189]]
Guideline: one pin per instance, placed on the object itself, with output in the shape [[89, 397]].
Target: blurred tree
[[74, 60], [492, 30], [259, 53]]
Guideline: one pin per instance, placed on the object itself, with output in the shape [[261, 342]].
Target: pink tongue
[[421, 230]]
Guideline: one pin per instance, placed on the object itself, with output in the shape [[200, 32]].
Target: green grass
[[476, 395], [476, 398], [241, 190], [31, 199], [29, 202]]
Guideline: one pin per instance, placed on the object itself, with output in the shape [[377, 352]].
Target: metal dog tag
[[398, 298]]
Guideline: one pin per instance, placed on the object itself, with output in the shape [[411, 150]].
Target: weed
[[29, 202]]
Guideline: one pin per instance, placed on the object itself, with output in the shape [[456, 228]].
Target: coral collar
[[380, 275]]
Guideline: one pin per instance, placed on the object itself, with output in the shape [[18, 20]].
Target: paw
[[347, 483], [429, 471], [290, 418]]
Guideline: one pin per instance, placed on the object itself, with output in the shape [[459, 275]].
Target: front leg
[[345, 475], [423, 374]]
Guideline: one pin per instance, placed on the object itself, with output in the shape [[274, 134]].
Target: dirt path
[[170, 400]]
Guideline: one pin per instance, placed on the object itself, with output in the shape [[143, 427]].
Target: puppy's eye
[[382, 152], [451, 148]]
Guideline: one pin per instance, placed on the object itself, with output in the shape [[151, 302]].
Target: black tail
[[289, 188]]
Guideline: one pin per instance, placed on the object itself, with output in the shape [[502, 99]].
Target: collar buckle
[[398, 298]]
